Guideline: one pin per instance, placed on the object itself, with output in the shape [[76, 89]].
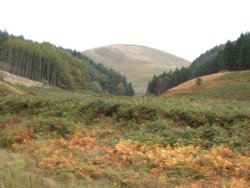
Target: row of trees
[[57, 66], [232, 56]]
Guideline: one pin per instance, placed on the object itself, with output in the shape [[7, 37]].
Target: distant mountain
[[137, 63]]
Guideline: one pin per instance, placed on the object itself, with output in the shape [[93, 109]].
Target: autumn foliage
[[84, 156], [118, 144]]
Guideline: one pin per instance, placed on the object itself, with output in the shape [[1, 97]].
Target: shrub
[[157, 126], [198, 81], [213, 135]]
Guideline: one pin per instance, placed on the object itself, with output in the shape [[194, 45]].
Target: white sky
[[185, 28]]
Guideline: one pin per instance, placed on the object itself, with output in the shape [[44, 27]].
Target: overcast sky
[[185, 28]]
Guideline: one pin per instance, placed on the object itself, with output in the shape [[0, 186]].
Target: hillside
[[11, 84], [14, 79], [56, 66], [224, 85], [6, 89], [191, 85], [137, 63], [232, 56]]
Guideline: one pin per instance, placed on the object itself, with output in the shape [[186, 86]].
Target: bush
[[213, 135], [198, 81], [157, 126]]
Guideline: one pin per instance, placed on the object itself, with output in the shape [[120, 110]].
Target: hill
[[223, 85], [56, 66], [137, 63], [232, 56]]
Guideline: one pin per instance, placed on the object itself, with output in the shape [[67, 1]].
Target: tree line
[[64, 68], [232, 56]]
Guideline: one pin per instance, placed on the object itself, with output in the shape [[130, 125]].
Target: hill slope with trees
[[232, 56], [57, 66]]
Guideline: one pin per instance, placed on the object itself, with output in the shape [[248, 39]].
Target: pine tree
[[130, 90], [120, 90]]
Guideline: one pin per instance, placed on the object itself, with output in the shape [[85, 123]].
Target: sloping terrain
[[9, 81], [232, 56], [64, 68], [191, 86], [224, 85], [8, 89], [137, 63], [14, 79]]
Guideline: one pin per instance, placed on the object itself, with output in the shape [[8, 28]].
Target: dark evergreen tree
[[226, 57]]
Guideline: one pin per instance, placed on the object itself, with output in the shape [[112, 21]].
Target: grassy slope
[[137, 63], [11, 84], [6, 89], [226, 85], [65, 139], [14, 79]]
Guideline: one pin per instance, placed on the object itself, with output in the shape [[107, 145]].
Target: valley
[[69, 122]]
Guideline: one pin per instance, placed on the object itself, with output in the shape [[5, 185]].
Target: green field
[[57, 138]]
